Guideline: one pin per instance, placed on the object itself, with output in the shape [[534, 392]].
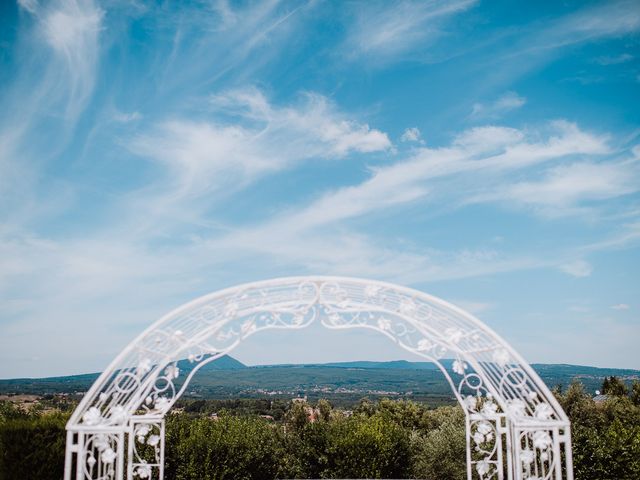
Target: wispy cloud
[[203, 156], [315, 234], [564, 189], [412, 135], [71, 29], [493, 110], [602, 20], [538, 44], [620, 306], [30, 6], [614, 59], [148, 155], [383, 31], [577, 268]]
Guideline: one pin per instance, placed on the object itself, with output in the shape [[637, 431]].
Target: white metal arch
[[515, 427]]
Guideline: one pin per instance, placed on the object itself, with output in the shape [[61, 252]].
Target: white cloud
[[30, 6], [507, 102], [488, 138], [603, 20], [473, 307], [72, 29], [614, 59], [579, 309], [606, 19], [384, 30], [577, 268], [620, 306], [411, 135], [565, 188], [207, 155], [540, 44], [483, 150], [487, 150], [315, 235], [126, 117]]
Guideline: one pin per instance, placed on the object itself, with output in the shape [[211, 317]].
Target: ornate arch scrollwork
[[510, 412]]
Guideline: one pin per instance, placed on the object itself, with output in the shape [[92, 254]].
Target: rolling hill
[[226, 377]]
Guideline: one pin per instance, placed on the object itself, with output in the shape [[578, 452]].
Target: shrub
[[439, 452], [227, 448], [32, 448]]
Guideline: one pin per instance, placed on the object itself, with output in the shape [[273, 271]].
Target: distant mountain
[[226, 377], [394, 364], [82, 382], [581, 370], [368, 365], [226, 362]]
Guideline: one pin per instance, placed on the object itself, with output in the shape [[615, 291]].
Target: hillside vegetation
[[382, 439]]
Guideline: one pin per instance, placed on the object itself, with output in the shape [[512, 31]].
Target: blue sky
[[484, 152]]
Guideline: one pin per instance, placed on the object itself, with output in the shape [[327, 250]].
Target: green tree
[[614, 386], [227, 448], [324, 410], [367, 447], [635, 393], [606, 436], [297, 416], [439, 453], [32, 447]]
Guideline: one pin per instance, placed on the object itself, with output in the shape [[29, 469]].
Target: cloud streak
[[382, 33], [209, 155], [505, 103]]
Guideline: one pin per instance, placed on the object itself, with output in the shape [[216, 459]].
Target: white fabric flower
[[108, 456], [407, 306], [516, 408], [172, 371], [501, 357], [384, 324], [143, 367], [142, 431], [92, 417], [483, 433], [543, 411], [459, 367], [541, 440], [101, 442], [471, 402], [489, 408], [143, 471], [454, 335], [371, 291], [162, 404], [527, 456], [118, 414], [483, 467]]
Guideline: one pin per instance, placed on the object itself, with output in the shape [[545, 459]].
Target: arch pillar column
[[145, 448]]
